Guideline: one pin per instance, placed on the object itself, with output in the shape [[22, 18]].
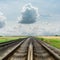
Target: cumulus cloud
[[32, 29], [2, 24], [29, 14], [2, 20], [40, 29]]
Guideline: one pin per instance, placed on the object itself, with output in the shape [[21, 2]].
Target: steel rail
[[5, 57], [55, 55]]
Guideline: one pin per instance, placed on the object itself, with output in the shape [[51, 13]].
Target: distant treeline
[[1, 36], [57, 35]]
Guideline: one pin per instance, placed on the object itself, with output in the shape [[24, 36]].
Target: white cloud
[[29, 14], [32, 29], [40, 29], [2, 20], [52, 26]]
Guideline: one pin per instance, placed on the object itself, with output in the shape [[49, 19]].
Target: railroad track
[[7, 47], [52, 50], [40, 53], [9, 43], [32, 49]]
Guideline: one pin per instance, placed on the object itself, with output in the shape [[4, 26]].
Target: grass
[[5, 39], [54, 41]]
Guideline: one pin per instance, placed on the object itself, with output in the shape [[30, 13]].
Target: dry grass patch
[[5, 39], [52, 40]]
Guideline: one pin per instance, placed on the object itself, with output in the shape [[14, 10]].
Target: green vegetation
[[52, 41], [5, 39]]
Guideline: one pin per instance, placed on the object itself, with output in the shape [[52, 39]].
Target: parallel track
[[32, 49], [40, 53], [19, 53]]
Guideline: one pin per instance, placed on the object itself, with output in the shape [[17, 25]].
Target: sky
[[29, 17]]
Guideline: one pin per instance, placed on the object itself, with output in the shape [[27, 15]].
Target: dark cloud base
[[27, 21], [2, 24], [29, 15]]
